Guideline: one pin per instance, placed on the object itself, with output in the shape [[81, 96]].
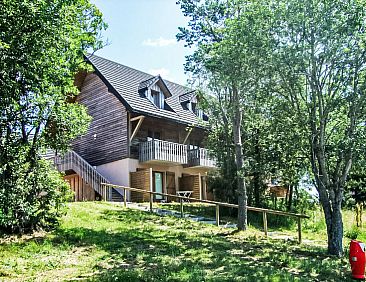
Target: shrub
[[32, 196], [353, 233]]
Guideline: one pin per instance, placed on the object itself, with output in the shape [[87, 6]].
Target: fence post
[[299, 228], [151, 202], [265, 227], [217, 214], [181, 207], [125, 198]]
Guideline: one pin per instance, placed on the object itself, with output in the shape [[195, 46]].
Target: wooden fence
[[217, 204]]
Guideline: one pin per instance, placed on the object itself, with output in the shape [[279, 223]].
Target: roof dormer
[[189, 102], [156, 91]]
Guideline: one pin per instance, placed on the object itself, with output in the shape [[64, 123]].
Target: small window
[[153, 134], [193, 107], [157, 99]]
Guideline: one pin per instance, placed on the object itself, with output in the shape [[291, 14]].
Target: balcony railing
[[163, 151], [200, 157]]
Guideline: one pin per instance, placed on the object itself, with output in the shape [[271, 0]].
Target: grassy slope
[[104, 242]]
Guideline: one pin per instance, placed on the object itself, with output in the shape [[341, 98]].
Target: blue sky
[[142, 35]]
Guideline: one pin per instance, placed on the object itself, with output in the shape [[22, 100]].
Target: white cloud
[[164, 73], [160, 42]]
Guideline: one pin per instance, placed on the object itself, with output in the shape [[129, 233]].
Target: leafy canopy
[[42, 44]]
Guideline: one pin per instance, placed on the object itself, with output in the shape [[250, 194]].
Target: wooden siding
[[170, 185], [190, 183], [107, 138], [196, 187], [141, 180], [82, 190]]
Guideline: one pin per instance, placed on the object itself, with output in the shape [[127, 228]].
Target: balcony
[[159, 151], [200, 157], [162, 151]]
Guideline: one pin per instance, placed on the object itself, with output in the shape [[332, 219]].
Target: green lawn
[[104, 242]]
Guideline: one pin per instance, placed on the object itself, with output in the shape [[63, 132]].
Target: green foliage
[[353, 233], [42, 46], [319, 60], [233, 41], [299, 69], [37, 199]]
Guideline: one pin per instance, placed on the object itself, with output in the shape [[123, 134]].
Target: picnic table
[[187, 194]]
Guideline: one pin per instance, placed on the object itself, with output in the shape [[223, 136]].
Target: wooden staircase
[[72, 161]]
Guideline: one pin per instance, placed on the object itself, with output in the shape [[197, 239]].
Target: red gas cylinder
[[357, 259]]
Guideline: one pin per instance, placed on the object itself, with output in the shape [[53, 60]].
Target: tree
[[228, 49], [319, 58], [311, 55], [42, 44]]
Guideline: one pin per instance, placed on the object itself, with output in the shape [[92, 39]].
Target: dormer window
[[158, 98], [156, 91], [189, 102]]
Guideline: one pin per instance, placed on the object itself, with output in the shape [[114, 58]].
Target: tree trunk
[[290, 196], [333, 219], [242, 192], [257, 187], [257, 174]]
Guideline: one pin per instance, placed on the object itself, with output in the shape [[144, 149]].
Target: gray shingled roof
[[188, 96], [125, 82]]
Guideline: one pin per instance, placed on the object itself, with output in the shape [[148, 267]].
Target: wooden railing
[[200, 157], [173, 152], [181, 199], [72, 161], [163, 151]]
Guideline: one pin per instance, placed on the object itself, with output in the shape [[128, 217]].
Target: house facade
[[146, 133]]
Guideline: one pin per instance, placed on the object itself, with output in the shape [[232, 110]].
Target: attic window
[[192, 107], [156, 91], [157, 97]]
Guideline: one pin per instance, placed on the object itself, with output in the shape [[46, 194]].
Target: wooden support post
[[165, 187], [151, 201], [200, 185], [299, 228], [218, 215], [265, 227], [103, 192], [181, 207], [125, 198]]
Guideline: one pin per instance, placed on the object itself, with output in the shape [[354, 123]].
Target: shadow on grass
[[227, 214], [147, 253]]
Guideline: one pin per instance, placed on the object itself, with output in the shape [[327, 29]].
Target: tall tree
[[228, 45], [320, 58], [42, 44]]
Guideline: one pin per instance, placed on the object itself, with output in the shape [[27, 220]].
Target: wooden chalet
[[146, 133]]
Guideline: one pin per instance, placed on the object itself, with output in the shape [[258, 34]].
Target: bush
[[32, 196], [353, 233]]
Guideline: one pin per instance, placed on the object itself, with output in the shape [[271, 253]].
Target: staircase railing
[[72, 161]]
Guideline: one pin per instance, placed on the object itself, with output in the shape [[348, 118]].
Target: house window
[[153, 135], [193, 108], [157, 98]]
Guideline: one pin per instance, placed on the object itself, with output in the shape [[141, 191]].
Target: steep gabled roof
[[125, 83]]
